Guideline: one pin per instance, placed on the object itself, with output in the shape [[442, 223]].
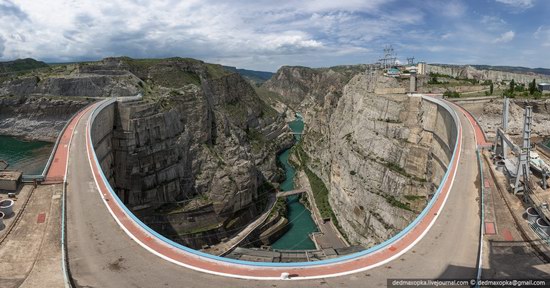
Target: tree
[[491, 89], [451, 94], [532, 87], [512, 85]]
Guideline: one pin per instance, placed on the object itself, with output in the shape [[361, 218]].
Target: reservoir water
[[27, 156], [299, 217]]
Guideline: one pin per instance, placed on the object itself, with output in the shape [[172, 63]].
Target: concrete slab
[[490, 228], [31, 255]]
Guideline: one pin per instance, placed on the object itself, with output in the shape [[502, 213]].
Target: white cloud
[[505, 37], [492, 22], [521, 4], [450, 8], [2, 46], [261, 34], [65, 30], [543, 35]]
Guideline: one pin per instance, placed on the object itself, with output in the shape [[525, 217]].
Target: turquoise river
[[299, 217], [27, 156]]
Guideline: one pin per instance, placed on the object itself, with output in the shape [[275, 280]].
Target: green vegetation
[[414, 197], [396, 168], [434, 80], [256, 77], [533, 87], [396, 203], [173, 72], [519, 90], [256, 138], [21, 65], [268, 96], [320, 193], [279, 208], [451, 94], [236, 111], [266, 110], [216, 71]]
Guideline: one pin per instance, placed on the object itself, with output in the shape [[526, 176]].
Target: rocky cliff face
[[469, 72], [36, 118], [307, 86], [374, 153], [71, 80], [192, 157]]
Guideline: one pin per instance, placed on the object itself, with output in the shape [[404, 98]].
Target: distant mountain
[[258, 77], [21, 65], [514, 69]]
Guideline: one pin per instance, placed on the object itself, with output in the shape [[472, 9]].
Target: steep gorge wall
[[191, 161], [381, 156]]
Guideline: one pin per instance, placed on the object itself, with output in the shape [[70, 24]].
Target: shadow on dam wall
[[145, 164], [440, 123]]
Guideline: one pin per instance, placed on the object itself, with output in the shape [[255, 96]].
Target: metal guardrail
[[365, 252], [482, 219]]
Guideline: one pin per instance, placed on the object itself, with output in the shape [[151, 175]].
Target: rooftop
[[10, 175]]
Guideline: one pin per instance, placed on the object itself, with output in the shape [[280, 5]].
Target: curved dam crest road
[[101, 254]]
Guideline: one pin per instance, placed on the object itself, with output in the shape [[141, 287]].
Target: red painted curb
[[196, 262]]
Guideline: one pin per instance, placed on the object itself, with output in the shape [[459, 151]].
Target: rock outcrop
[[469, 72], [36, 118], [380, 156], [72, 80], [193, 157]]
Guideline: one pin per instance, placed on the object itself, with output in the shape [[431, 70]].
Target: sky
[[264, 35]]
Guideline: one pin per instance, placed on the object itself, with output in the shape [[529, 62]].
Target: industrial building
[[544, 87], [10, 180]]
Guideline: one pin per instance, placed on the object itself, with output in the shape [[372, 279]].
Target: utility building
[[544, 87], [9, 180]]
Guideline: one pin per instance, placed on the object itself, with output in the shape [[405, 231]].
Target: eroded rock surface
[[380, 156]]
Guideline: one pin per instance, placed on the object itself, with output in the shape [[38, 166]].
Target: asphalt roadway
[[101, 254]]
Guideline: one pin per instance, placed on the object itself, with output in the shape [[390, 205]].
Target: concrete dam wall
[[441, 123], [146, 155]]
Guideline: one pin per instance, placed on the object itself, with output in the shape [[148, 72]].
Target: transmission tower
[[389, 58], [523, 163]]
